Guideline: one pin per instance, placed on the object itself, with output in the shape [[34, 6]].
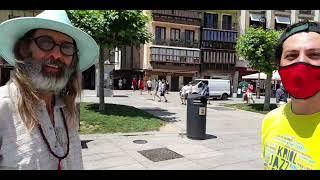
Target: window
[[281, 22], [189, 34], [175, 34], [160, 33], [227, 22], [257, 20], [211, 20]]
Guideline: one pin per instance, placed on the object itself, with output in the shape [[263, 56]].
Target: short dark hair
[[305, 26]]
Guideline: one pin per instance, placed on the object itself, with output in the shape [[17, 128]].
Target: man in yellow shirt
[[291, 133]]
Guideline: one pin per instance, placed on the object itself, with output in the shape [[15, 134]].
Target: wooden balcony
[[178, 16], [178, 43], [219, 35], [174, 59], [174, 67], [218, 57], [205, 44]]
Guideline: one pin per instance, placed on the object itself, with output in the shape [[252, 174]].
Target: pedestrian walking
[[149, 86], [156, 90], [141, 85], [134, 84], [162, 88]]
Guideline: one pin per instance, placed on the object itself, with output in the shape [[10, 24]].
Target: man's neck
[[48, 99], [306, 107]]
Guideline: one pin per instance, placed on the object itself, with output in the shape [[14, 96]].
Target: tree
[[258, 47], [111, 29]]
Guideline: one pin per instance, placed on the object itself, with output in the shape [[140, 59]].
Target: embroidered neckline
[[48, 145]]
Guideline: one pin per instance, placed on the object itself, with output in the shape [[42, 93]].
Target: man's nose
[[303, 58], [56, 54]]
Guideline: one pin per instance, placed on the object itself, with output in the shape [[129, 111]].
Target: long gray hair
[[28, 97]]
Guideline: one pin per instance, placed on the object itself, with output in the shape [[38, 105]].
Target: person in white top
[[149, 86], [120, 83], [39, 120], [162, 89], [156, 89], [183, 93]]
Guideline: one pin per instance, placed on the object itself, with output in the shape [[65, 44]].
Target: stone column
[[180, 82], [244, 20], [316, 15], [293, 16], [269, 19]]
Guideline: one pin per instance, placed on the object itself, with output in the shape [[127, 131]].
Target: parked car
[[218, 88]]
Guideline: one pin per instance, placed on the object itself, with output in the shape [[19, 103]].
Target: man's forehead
[[303, 39], [53, 33]]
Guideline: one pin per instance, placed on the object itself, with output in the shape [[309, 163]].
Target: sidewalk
[[233, 138]]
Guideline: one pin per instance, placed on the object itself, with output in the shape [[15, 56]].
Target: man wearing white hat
[[38, 116]]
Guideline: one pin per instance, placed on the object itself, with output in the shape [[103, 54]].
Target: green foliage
[[112, 28], [116, 118], [258, 47], [258, 108]]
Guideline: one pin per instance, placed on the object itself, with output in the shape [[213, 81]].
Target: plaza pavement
[[233, 137]]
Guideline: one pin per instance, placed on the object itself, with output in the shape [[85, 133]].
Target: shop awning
[[283, 20], [275, 76], [256, 17]]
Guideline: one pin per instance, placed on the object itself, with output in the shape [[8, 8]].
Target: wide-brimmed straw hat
[[57, 20]]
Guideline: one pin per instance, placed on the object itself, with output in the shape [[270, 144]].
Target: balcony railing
[[177, 16], [179, 13], [219, 57], [174, 59], [178, 43], [218, 45], [219, 35], [288, 11]]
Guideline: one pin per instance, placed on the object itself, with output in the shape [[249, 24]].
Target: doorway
[[88, 78], [174, 83]]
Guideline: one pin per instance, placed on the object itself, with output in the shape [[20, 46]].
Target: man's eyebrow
[[291, 51], [313, 49]]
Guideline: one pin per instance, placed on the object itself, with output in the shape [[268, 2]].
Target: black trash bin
[[196, 116]]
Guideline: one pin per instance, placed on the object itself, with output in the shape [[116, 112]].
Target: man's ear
[[25, 49]]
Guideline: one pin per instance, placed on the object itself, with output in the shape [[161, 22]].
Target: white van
[[218, 88]]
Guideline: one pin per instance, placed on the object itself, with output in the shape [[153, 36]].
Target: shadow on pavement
[[161, 113], [120, 96], [84, 143], [210, 136]]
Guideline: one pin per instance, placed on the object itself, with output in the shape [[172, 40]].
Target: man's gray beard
[[43, 83]]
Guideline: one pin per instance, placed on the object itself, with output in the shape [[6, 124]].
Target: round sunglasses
[[46, 43]]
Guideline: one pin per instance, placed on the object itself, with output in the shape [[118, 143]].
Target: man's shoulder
[[273, 116], [4, 91], [4, 99]]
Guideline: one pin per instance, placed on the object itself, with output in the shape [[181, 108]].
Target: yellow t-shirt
[[290, 141]]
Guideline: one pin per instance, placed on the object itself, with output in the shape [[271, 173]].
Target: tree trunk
[[266, 106], [101, 79], [258, 87]]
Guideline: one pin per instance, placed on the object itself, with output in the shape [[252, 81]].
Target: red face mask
[[301, 80]]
